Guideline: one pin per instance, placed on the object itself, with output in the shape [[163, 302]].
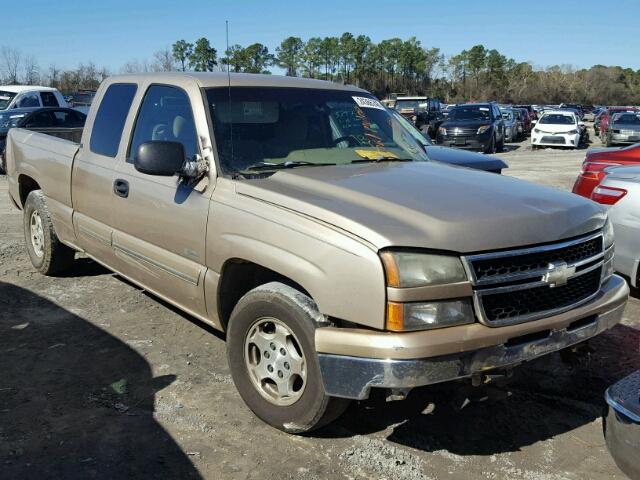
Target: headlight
[[608, 239], [402, 317], [407, 269], [442, 131], [535, 130], [573, 132], [607, 232], [483, 129]]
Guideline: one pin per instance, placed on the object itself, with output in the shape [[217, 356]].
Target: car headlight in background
[[442, 131], [535, 130], [402, 317], [483, 129], [573, 132], [408, 269]]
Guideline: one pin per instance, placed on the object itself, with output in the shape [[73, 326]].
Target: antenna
[[229, 90]]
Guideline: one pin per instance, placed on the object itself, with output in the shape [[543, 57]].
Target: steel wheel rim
[[37, 234], [275, 361]]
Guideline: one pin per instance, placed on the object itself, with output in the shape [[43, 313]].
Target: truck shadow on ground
[[546, 398], [76, 402]]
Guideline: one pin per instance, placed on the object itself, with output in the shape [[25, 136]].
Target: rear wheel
[[273, 362], [47, 254]]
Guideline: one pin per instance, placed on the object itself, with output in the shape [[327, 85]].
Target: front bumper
[[624, 138], [622, 424], [354, 361], [478, 142], [555, 140]]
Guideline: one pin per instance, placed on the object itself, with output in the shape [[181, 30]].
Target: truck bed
[[45, 158]]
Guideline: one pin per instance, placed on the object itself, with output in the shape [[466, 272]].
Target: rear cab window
[[108, 125], [49, 99]]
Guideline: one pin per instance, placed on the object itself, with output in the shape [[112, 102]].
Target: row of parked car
[[41, 109]]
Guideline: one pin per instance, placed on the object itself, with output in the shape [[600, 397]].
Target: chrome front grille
[[526, 284]]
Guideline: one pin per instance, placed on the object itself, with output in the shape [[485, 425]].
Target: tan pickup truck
[[302, 219]]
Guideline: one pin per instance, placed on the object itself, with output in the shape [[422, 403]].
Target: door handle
[[121, 188]]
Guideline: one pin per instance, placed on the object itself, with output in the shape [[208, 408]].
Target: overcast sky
[[112, 32]]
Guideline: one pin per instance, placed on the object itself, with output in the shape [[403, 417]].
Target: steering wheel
[[353, 141]]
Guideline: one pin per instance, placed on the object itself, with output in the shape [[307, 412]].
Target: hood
[[553, 128], [449, 123], [464, 158], [426, 205]]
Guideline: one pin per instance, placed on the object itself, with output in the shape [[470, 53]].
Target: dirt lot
[[100, 380]]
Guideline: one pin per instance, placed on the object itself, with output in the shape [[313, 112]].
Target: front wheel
[[48, 255], [491, 148], [273, 361]]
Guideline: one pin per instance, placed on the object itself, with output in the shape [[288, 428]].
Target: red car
[[604, 118], [597, 160]]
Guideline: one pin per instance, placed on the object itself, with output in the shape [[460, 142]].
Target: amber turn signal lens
[[395, 317], [390, 269]]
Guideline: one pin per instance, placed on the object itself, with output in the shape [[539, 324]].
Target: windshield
[[5, 99], [9, 120], [627, 118], [469, 112], [409, 104], [415, 133], [557, 119], [280, 127]]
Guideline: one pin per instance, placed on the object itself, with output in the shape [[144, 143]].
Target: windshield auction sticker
[[366, 102]]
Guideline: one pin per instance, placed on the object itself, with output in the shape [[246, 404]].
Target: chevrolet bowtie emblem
[[558, 274]]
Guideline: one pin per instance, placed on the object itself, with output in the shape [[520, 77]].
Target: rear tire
[[271, 335], [47, 254]]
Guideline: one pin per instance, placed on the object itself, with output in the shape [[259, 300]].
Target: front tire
[[273, 361], [491, 148], [48, 255]]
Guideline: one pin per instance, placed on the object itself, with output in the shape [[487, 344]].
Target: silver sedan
[[620, 189], [623, 128]]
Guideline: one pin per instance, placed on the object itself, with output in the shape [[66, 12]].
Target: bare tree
[[31, 70], [136, 66], [10, 60], [164, 61]]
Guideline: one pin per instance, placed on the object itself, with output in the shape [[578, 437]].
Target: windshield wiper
[[382, 158], [279, 166]]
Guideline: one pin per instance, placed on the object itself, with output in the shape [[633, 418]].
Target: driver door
[[160, 222]]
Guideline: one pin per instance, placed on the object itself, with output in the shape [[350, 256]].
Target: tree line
[[389, 66]]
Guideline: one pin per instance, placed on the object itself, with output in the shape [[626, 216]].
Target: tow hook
[[485, 387], [395, 394], [577, 354]]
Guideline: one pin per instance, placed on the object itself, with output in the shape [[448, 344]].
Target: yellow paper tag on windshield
[[375, 154]]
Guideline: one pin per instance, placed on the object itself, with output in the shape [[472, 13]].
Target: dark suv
[[425, 113], [477, 126]]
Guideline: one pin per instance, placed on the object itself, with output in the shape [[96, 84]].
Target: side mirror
[[581, 124], [159, 158]]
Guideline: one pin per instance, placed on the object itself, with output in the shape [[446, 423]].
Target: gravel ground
[[101, 380]]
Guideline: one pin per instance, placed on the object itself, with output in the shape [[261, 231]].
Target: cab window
[[165, 115], [49, 99], [112, 114]]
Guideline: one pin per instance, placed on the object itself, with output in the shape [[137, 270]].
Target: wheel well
[[26, 186], [239, 277]]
